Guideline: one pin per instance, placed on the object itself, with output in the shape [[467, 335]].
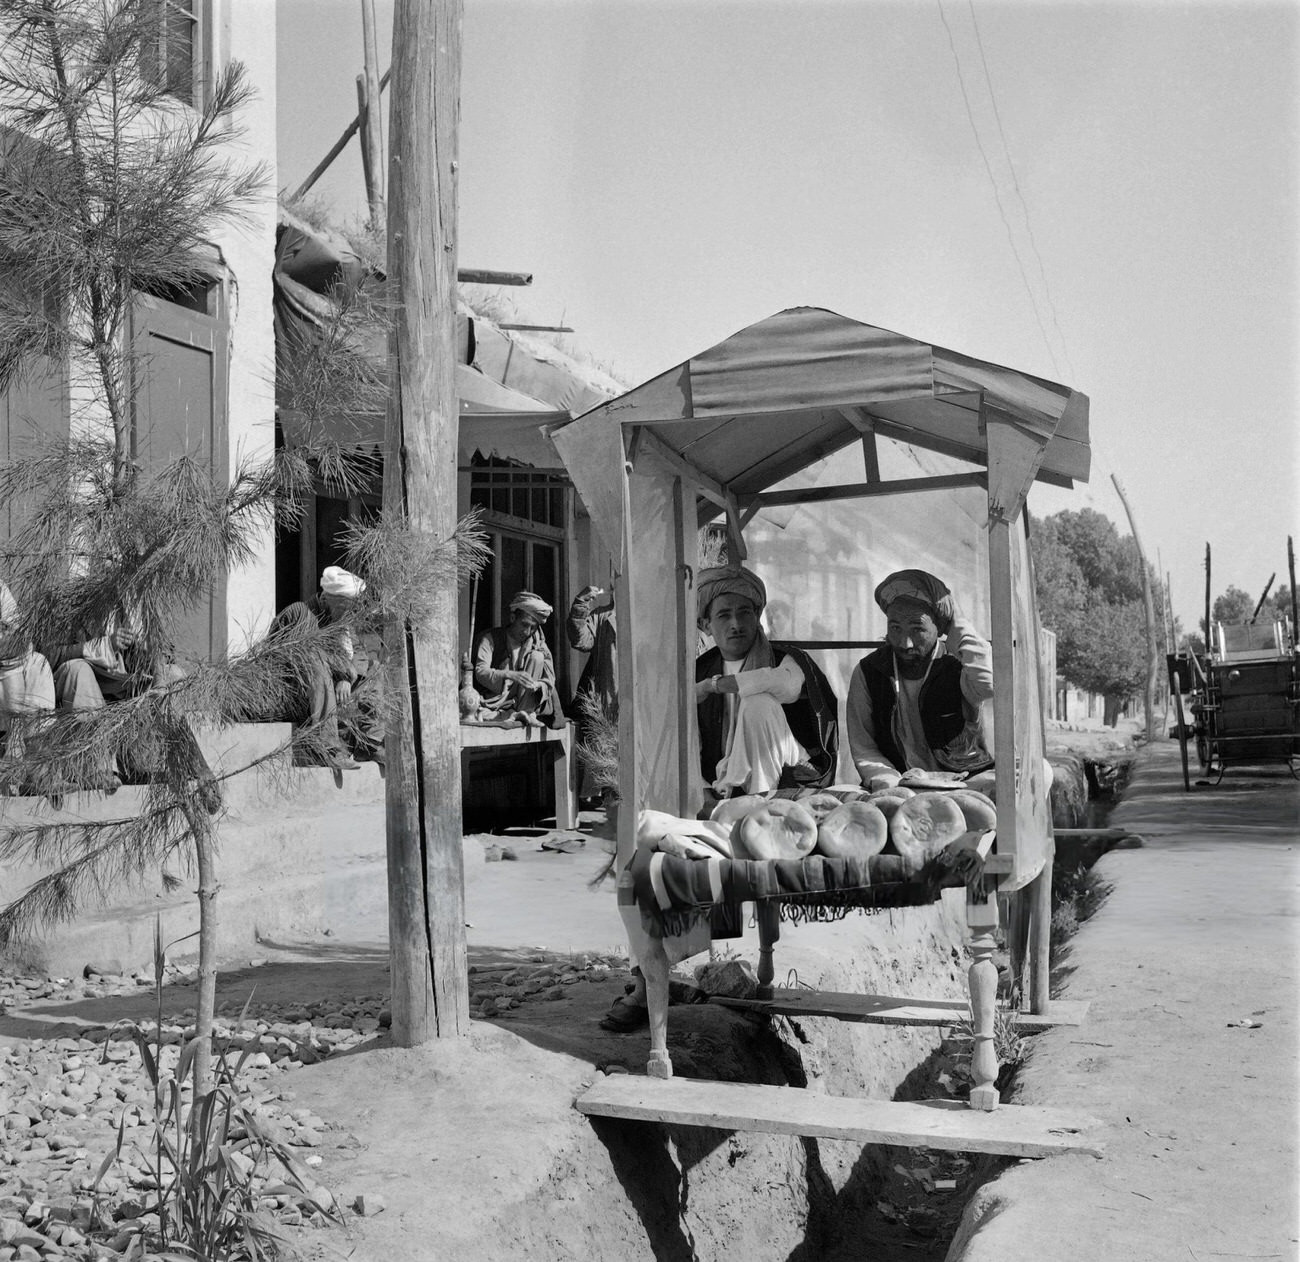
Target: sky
[[1103, 194]]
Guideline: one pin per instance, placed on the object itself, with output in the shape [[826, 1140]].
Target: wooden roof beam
[[863, 490]]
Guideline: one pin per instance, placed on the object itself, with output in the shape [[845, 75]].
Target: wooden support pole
[[1149, 612], [426, 887], [335, 149], [367, 154], [1209, 632], [1038, 900], [372, 132]]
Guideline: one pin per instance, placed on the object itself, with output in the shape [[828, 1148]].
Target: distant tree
[[1110, 658], [1234, 605], [1089, 586]]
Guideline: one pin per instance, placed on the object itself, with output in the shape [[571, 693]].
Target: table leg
[[654, 968], [982, 920], [566, 794], [768, 915]]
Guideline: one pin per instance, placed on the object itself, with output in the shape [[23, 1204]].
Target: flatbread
[[819, 804], [729, 810], [980, 812], [923, 826], [779, 829], [855, 830], [887, 801], [921, 778], [986, 782]]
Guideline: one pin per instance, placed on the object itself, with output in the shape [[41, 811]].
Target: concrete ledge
[[300, 848]]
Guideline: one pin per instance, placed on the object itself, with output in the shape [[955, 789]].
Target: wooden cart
[[714, 438], [1239, 702]]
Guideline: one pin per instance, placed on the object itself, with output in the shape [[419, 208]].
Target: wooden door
[[180, 410]]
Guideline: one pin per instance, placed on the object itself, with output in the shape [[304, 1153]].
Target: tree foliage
[[1089, 584]]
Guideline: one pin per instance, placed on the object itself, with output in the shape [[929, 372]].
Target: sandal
[[624, 1017]]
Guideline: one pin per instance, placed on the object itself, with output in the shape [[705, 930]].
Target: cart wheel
[[1182, 737]]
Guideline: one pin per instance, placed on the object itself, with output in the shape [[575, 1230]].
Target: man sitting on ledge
[[914, 703], [514, 670], [766, 712]]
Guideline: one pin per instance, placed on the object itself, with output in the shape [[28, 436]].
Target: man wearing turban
[[767, 715], [914, 702], [513, 667], [336, 696]]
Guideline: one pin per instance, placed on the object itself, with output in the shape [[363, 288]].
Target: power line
[[1015, 183], [997, 196]]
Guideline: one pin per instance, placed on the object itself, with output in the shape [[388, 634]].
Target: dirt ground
[[1188, 1056]]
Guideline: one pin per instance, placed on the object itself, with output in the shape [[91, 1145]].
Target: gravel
[[64, 1099]]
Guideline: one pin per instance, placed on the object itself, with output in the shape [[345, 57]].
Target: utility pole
[[372, 134], [1149, 609], [426, 879]]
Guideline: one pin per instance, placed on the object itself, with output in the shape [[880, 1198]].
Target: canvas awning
[[782, 393], [495, 419]]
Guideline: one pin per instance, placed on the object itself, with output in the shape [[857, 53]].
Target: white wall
[[244, 30]]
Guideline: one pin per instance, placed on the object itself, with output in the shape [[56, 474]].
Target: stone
[[108, 967], [368, 1204]]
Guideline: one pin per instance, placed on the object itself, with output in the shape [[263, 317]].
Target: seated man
[[109, 661], [26, 682], [339, 698], [513, 667], [766, 712], [914, 702]]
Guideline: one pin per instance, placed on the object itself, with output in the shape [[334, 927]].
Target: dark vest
[[812, 716], [942, 706]]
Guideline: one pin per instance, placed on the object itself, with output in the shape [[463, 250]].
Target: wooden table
[[559, 744]]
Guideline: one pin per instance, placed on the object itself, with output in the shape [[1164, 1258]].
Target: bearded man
[[513, 667], [914, 702], [767, 714]]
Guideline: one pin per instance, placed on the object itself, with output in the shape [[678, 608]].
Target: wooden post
[[1209, 634], [372, 134], [1038, 902], [1149, 612], [982, 978], [335, 149], [367, 155], [426, 888]]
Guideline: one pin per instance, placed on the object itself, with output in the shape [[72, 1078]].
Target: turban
[[920, 588], [335, 581], [530, 604], [728, 580]]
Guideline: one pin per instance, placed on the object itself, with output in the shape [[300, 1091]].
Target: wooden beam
[[478, 276], [709, 487], [870, 456], [1017, 1130], [897, 1010], [863, 490], [736, 551], [835, 644], [337, 148], [536, 328]]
